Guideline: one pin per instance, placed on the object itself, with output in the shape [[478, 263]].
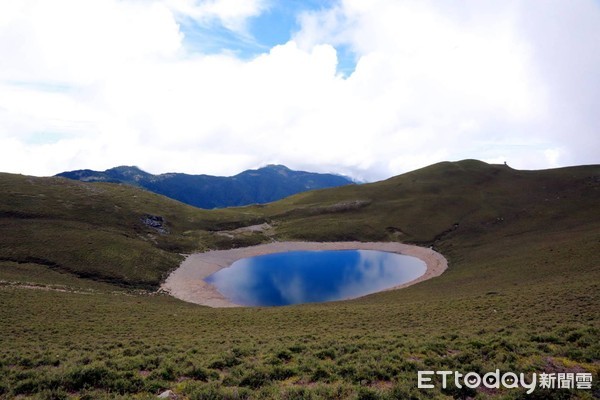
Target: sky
[[368, 89]]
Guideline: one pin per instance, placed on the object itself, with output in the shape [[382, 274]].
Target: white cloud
[[111, 82], [232, 14], [79, 42]]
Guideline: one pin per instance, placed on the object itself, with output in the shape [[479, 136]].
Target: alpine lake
[[297, 277]]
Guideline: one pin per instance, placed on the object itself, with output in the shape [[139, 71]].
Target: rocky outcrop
[[155, 222]]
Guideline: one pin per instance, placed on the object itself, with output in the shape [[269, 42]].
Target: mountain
[[465, 199], [263, 185], [123, 234], [520, 292]]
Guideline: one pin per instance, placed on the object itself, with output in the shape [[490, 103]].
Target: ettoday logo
[[507, 380]]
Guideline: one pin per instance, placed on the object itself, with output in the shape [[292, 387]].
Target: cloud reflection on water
[[314, 276]]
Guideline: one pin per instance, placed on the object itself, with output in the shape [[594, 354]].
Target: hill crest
[[256, 186]]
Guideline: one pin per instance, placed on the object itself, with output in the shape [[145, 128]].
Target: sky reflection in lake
[[313, 276]]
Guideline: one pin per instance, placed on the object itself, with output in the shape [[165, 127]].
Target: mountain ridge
[[520, 292], [445, 205], [254, 186]]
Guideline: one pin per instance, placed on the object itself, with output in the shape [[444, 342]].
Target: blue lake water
[[297, 277]]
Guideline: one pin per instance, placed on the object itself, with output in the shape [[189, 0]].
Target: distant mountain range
[[263, 185]]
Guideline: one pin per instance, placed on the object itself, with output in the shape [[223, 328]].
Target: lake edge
[[186, 282]]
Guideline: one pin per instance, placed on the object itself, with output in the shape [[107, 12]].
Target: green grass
[[520, 294], [97, 230]]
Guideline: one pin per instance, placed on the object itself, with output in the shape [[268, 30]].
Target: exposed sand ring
[[187, 282]]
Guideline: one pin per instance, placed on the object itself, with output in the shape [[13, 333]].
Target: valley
[[520, 292]]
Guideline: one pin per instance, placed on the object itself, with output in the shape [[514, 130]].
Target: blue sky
[[275, 26], [367, 89]]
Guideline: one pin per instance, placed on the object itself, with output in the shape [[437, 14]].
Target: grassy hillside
[[102, 231], [521, 292], [468, 198]]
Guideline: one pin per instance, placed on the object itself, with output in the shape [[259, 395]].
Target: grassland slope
[[102, 231], [130, 236], [466, 198], [520, 293]]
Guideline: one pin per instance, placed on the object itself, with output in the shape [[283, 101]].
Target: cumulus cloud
[[107, 82]]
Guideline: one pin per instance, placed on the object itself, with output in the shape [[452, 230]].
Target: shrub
[[368, 394], [297, 393], [281, 373], [255, 379], [197, 373], [284, 355], [320, 374], [325, 354], [92, 376], [27, 386]]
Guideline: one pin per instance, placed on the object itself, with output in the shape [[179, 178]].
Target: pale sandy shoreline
[[187, 282]]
